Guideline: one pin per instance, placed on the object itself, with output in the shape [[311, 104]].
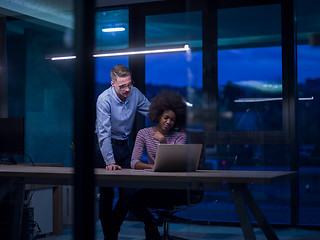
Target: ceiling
[[58, 12]]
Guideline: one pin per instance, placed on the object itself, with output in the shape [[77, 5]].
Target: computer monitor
[[11, 137]]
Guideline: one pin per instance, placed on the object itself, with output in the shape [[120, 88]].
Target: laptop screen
[[177, 157]]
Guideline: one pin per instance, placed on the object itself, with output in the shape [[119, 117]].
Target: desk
[[202, 179]]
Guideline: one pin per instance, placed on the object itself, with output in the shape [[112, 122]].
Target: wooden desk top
[[141, 178]]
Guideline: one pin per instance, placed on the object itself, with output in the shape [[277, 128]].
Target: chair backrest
[[198, 136]]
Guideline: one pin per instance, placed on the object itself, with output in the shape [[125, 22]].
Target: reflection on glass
[[249, 69], [308, 62], [179, 72], [39, 90], [112, 29], [247, 157], [309, 133], [250, 89], [111, 32], [174, 28]]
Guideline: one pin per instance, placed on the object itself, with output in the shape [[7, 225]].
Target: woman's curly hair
[[167, 100]]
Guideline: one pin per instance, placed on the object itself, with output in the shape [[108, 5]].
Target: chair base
[[166, 235]]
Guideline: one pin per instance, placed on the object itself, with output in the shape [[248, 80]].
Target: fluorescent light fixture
[[143, 51], [62, 58], [113, 29], [129, 51], [257, 99], [268, 99], [306, 98]]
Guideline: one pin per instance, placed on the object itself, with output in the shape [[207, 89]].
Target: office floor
[[132, 230]]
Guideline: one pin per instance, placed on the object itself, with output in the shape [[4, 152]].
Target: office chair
[[193, 196]]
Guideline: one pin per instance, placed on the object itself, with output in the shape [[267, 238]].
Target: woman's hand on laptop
[[112, 167]]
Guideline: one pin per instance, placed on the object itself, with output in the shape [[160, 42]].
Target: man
[[116, 109]]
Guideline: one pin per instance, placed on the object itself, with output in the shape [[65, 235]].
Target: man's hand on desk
[[112, 167]]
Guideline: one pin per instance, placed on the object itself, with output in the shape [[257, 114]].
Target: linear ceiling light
[[127, 52], [268, 99], [61, 58], [144, 51], [113, 29]]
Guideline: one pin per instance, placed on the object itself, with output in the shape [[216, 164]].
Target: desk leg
[[242, 195], [256, 212], [57, 210], [239, 201]]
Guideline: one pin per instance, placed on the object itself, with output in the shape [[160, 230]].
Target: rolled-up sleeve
[[103, 128]]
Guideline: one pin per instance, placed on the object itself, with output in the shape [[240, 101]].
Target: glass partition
[[249, 69], [179, 72], [308, 61], [249, 64], [217, 206], [272, 198], [112, 29], [41, 90], [249, 91], [111, 32], [174, 28]]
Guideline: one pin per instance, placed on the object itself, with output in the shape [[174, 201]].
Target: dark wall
[[42, 91], [16, 75]]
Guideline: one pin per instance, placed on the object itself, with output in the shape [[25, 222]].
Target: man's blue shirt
[[115, 118]]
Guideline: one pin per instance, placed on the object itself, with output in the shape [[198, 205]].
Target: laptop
[[177, 157]]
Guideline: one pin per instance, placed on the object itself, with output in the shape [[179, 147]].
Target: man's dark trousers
[[112, 217]]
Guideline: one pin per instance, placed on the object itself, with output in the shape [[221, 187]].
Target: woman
[[168, 111]]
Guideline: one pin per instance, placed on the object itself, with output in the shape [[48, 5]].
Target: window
[[109, 41], [103, 67], [179, 72], [112, 39], [249, 69], [308, 60]]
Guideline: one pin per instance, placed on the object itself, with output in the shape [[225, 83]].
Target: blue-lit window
[[107, 38], [250, 69], [250, 98], [103, 67], [250, 89], [308, 72], [179, 72]]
